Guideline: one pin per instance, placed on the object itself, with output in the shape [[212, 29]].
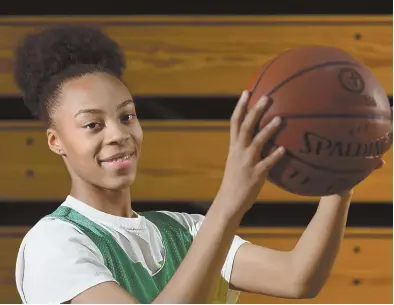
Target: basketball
[[336, 119]]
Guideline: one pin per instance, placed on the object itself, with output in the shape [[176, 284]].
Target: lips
[[119, 157]]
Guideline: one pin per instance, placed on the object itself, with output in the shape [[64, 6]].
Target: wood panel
[[214, 55], [181, 160], [362, 272]]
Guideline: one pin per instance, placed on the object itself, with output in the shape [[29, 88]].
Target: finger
[[264, 135], [381, 164], [271, 160], [248, 126], [238, 115]]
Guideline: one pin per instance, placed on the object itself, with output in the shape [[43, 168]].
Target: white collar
[[135, 223]]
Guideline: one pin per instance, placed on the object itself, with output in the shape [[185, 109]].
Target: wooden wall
[[183, 56], [203, 58], [215, 55], [190, 168]]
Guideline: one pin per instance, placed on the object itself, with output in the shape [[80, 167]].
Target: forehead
[[97, 90]]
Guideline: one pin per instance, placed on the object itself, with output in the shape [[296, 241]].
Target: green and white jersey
[[78, 247]]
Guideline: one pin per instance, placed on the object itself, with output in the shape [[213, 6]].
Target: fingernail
[[276, 120], [281, 149], [263, 100], [244, 94]]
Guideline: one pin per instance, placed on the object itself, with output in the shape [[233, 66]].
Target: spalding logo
[[318, 145]]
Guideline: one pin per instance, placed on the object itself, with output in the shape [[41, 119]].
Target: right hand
[[245, 171]]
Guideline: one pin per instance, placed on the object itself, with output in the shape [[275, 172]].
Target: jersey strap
[[132, 276]]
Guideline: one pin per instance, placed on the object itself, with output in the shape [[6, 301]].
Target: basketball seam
[[299, 73], [256, 130], [337, 116], [290, 154], [265, 70], [309, 69]]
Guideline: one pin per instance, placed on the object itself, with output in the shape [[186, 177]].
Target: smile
[[119, 160]]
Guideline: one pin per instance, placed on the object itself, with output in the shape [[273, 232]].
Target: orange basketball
[[336, 116]]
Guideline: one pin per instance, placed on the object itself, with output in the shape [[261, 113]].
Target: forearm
[[315, 252], [201, 267]]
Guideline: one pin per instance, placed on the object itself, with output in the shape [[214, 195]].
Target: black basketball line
[[294, 174], [335, 116], [290, 154], [299, 73], [260, 76], [256, 130], [265, 70], [309, 69]]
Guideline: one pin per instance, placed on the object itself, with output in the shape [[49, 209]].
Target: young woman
[[95, 249]]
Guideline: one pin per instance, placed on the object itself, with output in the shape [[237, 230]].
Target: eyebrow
[[94, 111]]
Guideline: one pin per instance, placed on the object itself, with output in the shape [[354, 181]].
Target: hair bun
[[49, 52]]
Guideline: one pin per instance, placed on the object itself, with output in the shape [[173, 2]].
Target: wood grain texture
[[181, 160], [213, 55], [362, 272]]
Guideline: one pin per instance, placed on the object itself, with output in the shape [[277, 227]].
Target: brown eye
[[127, 117], [92, 126]]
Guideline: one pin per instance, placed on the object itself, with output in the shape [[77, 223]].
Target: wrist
[[227, 208], [346, 194], [340, 200], [345, 197]]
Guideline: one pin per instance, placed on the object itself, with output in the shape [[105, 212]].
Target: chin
[[118, 183]]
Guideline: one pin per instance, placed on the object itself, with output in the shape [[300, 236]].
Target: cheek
[[138, 135], [81, 149]]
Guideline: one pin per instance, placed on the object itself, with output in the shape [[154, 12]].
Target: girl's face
[[97, 132]]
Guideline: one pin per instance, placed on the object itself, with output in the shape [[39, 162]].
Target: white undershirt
[[56, 261]]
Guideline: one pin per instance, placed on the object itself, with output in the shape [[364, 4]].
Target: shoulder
[[52, 235], [192, 222], [56, 262]]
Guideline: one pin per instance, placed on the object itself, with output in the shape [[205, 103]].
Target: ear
[[54, 142]]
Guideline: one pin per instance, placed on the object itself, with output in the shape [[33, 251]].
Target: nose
[[116, 134]]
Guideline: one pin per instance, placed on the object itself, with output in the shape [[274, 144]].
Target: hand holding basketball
[[337, 121], [246, 171]]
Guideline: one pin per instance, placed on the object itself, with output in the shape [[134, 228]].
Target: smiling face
[[96, 131]]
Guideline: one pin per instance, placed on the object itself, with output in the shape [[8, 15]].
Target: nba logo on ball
[[351, 80]]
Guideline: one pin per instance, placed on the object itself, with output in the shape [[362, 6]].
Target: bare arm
[[302, 272], [104, 293], [244, 176], [317, 249]]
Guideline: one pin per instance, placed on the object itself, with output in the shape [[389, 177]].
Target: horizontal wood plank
[[362, 272], [208, 55], [181, 160], [343, 287]]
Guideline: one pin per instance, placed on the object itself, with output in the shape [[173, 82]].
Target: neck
[[114, 202]]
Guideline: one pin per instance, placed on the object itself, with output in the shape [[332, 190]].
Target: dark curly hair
[[45, 60]]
